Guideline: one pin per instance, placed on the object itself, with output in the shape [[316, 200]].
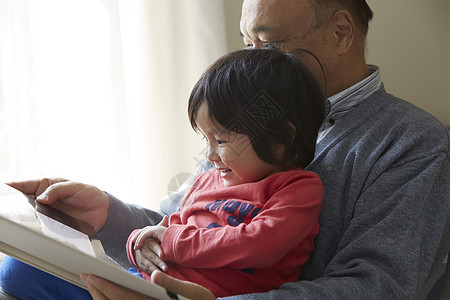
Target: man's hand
[[147, 247], [102, 289], [187, 289], [81, 201]]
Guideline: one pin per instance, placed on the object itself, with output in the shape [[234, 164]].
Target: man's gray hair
[[359, 9]]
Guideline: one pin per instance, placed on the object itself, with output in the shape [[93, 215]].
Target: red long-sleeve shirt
[[252, 237]]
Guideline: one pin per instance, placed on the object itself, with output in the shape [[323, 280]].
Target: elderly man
[[384, 164]]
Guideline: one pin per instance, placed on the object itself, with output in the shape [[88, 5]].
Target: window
[[96, 90]]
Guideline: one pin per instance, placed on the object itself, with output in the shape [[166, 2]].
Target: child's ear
[[280, 149], [293, 131]]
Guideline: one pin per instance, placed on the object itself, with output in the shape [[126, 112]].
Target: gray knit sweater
[[385, 218]]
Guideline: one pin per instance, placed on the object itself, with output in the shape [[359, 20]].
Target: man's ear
[[343, 31]]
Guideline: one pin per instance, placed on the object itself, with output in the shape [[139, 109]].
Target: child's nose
[[212, 154]]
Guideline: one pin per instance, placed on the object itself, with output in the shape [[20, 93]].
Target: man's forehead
[[273, 7], [269, 15]]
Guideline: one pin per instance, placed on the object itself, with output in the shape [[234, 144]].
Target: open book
[[56, 243]]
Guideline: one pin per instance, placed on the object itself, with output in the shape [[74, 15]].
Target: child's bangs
[[224, 98]]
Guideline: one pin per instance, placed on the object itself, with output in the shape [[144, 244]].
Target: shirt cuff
[[130, 246]]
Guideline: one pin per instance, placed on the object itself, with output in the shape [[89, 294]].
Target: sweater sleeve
[[287, 218], [130, 246], [122, 219]]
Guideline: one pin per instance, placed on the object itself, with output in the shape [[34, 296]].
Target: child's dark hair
[[265, 94]]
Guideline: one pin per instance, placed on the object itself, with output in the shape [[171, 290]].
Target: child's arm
[[288, 219], [144, 249]]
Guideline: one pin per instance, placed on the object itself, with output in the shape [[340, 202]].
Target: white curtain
[[96, 90]]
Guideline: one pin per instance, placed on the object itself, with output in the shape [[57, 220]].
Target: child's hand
[[155, 232], [147, 259], [147, 247]]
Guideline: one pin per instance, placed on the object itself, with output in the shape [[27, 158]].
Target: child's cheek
[[228, 156]]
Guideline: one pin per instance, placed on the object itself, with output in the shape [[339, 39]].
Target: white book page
[[65, 234]]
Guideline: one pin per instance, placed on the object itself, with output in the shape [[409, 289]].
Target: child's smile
[[231, 153]]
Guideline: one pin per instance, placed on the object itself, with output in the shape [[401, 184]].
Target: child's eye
[[219, 142]]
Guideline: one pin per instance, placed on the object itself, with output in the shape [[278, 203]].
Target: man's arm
[[398, 233], [124, 218]]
